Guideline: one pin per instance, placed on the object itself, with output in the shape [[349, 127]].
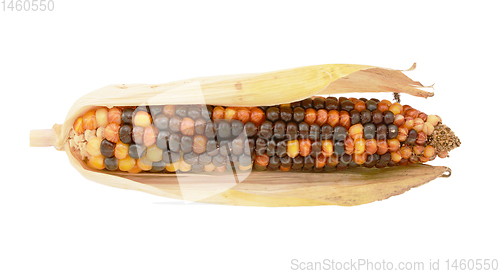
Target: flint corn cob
[[316, 134]]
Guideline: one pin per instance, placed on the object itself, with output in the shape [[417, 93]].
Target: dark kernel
[[369, 131], [339, 148], [347, 105], [266, 130], [291, 131], [388, 117], [245, 160], [155, 110], [326, 132], [199, 126], [286, 161], [279, 130], [223, 129], [204, 159], [158, 166], [303, 130], [190, 158], [186, 143], [314, 131], [249, 146], [107, 148], [371, 105], [286, 114], [366, 116], [197, 168], [392, 131], [339, 133], [250, 129], [377, 117], [136, 151], [295, 104], [260, 146], [175, 124], [382, 132], [162, 139], [161, 121], [212, 148], [218, 160], [299, 114], [331, 103], [181, 111], [355, 117], [273, 114], [194, 112], [412, 137], [271, 147], [174, 142], [281, 147], [237, 146], [125, 134], [298, 163], [307, 103], [127, 115], [210, 130], [236, 127], [111, 163], [345, 159], [315, 148], [319, 103], [206, 112], [224, 148]]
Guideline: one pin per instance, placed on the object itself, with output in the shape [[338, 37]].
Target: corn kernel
[[230, 113], [126, 164], [154, 153], [101, 116], [121, 150], [428, 128], [433, 120], [371, 146], [396, 156], [89, 121], [305, 147], [327, 147], [382, 147], [359, 158], [349, 145], [144, 164], [356, 131], [94, 146], [418, 124], [393, 145], [429, 151], [111, 132], [115, 116], [396, 108], [359, 146], [292, 148], [406, 152], [142, 119], [78, 126], [96, 162], [135, 169], [333, 118]]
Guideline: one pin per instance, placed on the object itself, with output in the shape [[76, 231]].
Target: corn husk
[[347, 188]]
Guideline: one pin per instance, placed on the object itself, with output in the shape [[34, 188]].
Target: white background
[[52, 220]]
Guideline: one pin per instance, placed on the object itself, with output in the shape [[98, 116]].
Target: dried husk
[[347, 188]]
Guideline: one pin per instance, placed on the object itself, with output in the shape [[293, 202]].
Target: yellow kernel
[[433, 120], [356, 131], [135, 169], [292, 149], [154, 153], [142, 119], [395, 108], [78, 126], [429, 151], [359, 146], [418, 124], [96, 162], [396, 156], [173, 167], [184, 167], [428, 128], [101, 116], [144, 164], [209, 168], [243, 168], [126, 164], [121, 150], [94, 146]]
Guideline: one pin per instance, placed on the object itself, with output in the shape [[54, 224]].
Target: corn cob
[[316, 134]]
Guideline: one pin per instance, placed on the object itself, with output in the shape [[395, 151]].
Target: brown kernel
[[262, 160], [320, 160]]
